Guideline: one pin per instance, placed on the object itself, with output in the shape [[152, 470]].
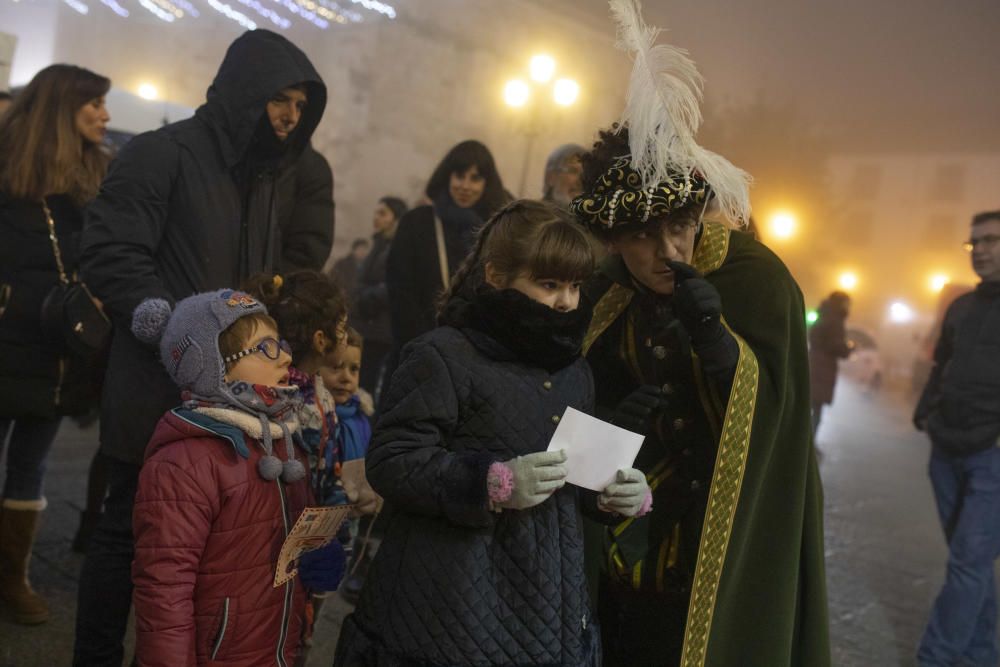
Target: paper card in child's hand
[[315, 527]]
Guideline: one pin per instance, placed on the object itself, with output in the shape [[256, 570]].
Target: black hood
[[257, 65]]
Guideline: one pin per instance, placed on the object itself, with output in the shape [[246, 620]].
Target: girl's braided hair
[[530, 237], [302, 303]]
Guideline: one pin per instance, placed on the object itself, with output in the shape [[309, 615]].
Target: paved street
[[885, 554]]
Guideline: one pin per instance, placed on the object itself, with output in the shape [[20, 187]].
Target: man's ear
[[319, 342], [493, 277]]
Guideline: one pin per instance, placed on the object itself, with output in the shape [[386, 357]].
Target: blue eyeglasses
[[269, 347]]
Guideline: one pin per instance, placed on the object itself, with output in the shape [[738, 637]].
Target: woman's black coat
[[413, 273], [454, 583], [370, 300], [37, 378]]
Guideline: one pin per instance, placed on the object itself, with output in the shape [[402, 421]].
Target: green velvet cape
[[759, 592]]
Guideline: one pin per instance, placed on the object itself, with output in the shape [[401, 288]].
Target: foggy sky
[[893, 75]]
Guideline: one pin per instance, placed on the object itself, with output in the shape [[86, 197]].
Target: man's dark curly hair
[[611, 145]]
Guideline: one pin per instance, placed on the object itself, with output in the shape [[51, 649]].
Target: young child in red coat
[[221, 487]]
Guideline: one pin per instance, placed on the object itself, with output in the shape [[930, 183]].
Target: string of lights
[[188, 7], [170, 8], [116, 8], [320, 13], [153, 9], [376, 6], [298, 10], [78, 6], [348, 14], [267, 13], [232, 14]]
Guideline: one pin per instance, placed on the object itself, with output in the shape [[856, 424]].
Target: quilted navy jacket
[[454, 583]]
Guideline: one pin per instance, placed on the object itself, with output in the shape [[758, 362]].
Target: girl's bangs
[[563, 252]]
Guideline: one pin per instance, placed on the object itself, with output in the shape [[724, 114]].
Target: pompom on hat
[[188, 337]]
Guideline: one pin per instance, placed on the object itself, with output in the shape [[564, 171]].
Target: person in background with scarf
[[431, 241]]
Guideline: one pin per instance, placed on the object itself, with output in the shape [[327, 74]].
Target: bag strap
[[55, 243], [442, 252]]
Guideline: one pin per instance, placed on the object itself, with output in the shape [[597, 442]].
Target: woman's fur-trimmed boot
[[18, 524]]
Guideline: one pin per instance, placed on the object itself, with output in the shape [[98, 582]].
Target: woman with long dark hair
[[51, 164], [465, 189]]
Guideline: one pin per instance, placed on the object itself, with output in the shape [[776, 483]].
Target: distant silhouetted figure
[[828, 344]]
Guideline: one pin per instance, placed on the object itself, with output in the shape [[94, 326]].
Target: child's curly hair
[[302, 303]]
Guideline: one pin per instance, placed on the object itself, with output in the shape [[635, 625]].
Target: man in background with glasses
[[960, 411]]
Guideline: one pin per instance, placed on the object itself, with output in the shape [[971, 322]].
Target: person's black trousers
[[105, 593]]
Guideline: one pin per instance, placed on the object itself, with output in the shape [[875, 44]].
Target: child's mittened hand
[[629, 495], [534, 478], [322, 569]]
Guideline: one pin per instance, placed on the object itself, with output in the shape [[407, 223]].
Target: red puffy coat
[[208, 529]]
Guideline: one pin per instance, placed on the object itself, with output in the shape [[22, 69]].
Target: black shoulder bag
[[70, 317]]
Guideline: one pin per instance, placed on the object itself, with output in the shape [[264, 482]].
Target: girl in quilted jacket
[[220, 488], [482, 560]]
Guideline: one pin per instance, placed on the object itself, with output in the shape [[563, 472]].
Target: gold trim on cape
[[730, 464], [713, 246], [608, 308]]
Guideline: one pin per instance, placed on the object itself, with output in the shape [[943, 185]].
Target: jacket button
[[679, 424], [555, 419], [667, 389], [547, 384], [695, 485], [660, 352], [687, 451]]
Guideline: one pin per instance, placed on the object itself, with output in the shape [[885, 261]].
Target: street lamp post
[[519, 93]]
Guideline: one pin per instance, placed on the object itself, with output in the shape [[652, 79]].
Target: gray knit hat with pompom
[[189, 349], [189, 336]]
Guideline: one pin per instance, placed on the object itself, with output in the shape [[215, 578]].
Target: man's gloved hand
[[636, 410], [628, 495], [531, 480], [697, 305], [322, 569]]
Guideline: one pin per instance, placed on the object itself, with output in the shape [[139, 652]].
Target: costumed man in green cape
[[698, 341]]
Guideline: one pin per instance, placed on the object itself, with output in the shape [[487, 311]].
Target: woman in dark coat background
[[465, 189], [51, 165], [370, 299], [828, 344]]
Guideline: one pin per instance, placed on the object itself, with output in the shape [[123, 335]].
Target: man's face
[[646, 249], [284, 110], [985, 241], [566, 182]]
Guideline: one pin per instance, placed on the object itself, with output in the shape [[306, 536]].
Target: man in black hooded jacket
[[190, 207]]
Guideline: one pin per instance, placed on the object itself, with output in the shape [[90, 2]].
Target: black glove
[[698, 305], [636, 410]]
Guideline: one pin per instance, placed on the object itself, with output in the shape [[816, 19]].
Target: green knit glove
[[528, 480]]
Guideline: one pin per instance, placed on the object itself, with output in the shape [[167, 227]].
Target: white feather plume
[[662, 112]]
